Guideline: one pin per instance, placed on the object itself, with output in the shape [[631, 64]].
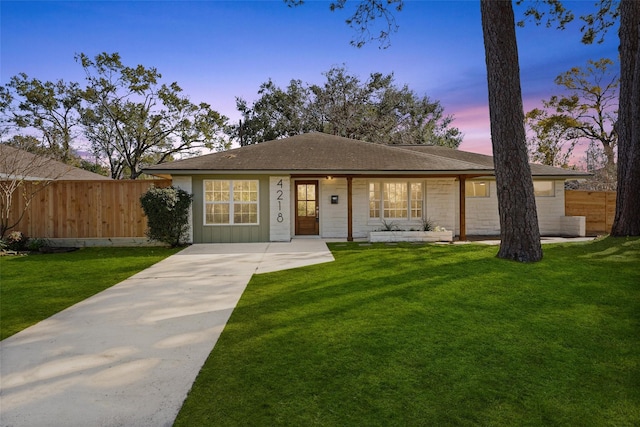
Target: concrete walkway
[[129, 355]]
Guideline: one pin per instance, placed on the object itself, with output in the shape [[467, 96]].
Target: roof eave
[[164, 172]]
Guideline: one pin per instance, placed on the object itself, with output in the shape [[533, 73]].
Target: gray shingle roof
[[487, 161], [323, 153], [15, 162]]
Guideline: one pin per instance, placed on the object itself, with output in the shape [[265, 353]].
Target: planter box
[[410, 236]]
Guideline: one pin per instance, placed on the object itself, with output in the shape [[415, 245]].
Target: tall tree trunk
[[519, 232], [627, 218]]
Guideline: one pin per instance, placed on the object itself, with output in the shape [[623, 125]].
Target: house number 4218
[[279, 198]]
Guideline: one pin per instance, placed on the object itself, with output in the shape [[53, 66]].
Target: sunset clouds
[[220, 50]]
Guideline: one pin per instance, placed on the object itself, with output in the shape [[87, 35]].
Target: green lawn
[[35, 287], [432, 335]]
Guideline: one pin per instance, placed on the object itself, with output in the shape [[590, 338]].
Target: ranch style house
[[328, 186]]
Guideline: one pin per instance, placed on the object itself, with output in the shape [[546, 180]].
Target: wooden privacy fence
[[108, 209], [599, 208], [85, 209]]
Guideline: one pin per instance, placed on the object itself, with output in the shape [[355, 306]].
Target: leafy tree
[[50, 108], [551, 142], [134, 121], [94, 167], [22, 176], [603, 179], [6, 112], [28, 143], [167, 211], [374, 110], [586, 111], [276, 114], [627, 218], [520, 236]]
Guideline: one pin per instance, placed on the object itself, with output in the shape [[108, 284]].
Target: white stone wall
[[551, 211], [441, 202], [482, 213], [441, 207]]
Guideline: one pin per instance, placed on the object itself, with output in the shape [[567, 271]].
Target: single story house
[[17, 164], [333, 187]]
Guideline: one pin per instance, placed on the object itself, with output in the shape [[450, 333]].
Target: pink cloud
[[473, 122]]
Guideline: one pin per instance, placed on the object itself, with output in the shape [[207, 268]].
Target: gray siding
[[230, 233]]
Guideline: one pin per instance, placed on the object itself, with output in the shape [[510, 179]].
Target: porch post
[[463, 219], [349, 209]]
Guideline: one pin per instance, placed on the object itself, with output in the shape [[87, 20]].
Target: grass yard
[[35, 287], [432, 335]]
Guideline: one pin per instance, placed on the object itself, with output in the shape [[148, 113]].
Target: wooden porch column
[[463, 219], [349, 209]]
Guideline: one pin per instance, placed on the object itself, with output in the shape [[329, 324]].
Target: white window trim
[[231, 203], [406, 220]]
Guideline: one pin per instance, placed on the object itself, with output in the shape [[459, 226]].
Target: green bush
[[167, 211], [34, 245]]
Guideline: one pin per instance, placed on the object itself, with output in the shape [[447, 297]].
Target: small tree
[[167, 211], [22, 175]]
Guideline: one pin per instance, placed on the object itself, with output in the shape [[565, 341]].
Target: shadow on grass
[[436, 335]]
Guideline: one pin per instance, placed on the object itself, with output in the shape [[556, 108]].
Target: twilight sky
[[218, 50]]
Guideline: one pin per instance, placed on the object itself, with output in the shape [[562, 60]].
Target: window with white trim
[[229, 202], [415, 200], [374, 200], [476, 188], [395, 200], [544, 188]]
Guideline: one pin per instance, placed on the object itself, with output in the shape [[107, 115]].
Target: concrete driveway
[[128, 355]]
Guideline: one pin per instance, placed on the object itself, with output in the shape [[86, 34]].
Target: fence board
[[597, 206], [85, 209]]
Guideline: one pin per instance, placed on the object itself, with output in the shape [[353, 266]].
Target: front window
[[230, 202], [476, 188], [544, 189], [395, 200]]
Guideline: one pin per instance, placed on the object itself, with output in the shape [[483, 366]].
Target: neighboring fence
[[599, 208], [85, 209]]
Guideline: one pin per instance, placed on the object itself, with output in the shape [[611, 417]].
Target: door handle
[[317, 213]]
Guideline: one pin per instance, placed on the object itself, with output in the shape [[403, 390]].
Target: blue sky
[[218, 50]]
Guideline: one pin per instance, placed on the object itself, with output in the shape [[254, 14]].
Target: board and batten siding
[[186, 183], [230, 233]]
